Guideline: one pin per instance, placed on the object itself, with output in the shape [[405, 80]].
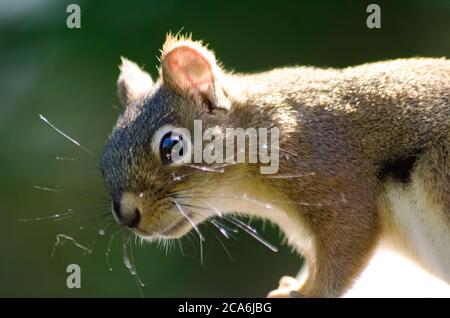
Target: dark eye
[[170, 148]]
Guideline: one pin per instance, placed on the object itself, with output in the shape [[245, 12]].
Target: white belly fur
[[416, 226]]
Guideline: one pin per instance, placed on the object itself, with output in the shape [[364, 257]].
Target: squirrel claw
[[288, 287]]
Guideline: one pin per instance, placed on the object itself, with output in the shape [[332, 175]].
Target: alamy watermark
[[73, 20], [222, 146], [74, 278], [374, 19]]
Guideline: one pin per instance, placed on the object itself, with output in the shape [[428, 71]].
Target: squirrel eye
[[168, 152]]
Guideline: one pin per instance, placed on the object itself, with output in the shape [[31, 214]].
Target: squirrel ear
[[191, 69], [132, 83]]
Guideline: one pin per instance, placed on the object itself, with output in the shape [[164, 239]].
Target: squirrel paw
[[288, 287]]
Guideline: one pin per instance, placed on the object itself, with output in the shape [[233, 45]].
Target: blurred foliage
[[69, 76]]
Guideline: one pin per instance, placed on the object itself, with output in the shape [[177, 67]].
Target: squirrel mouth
[[175, 228], [172, 231]]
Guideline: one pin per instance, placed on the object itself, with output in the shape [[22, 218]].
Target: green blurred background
[[69, 76]]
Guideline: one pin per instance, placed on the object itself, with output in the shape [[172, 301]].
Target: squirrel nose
[[126, 216]]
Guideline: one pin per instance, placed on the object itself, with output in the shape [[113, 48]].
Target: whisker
[[225, 248], [188, 236], [65, 158], [133, 262], [180, 209], [95, 227], [221, 229], [287, 151], [181, 248], [65, 135], [251, 231], [192, 206], [206, 168], [248, 229], [185, 189], [216, 211], [286, 176], [47, 189], [245, 198], [94, 196], [201, 238], [62, 238], [129, 262], [229, 229], [108, 247], [54, 217], [81, 193], [201, 252]]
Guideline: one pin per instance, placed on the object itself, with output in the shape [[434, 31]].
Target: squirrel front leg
[[344, 242]]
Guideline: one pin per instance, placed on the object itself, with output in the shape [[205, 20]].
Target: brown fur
[[339, 127]]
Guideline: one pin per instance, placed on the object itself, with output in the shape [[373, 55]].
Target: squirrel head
[[145, 162]]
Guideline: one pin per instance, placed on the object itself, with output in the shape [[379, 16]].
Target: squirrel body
[[363, 158]]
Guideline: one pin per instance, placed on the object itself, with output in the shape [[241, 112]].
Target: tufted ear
[[191, 69], [133, 82]]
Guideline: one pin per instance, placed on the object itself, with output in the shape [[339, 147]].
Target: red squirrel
[[363, 156]]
